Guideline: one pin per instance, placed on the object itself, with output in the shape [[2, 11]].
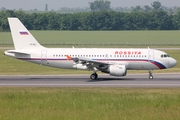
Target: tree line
[[95, 20]]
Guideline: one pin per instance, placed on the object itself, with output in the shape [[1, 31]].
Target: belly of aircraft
[[141, 66]]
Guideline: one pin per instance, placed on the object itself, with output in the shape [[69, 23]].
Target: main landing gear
[[94, 76], [150, 74]]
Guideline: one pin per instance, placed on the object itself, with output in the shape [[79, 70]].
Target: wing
[[91, 64]]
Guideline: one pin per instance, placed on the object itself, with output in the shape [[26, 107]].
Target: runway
[[160, 80]]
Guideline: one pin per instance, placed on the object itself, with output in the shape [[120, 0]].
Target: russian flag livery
[[23, 32]]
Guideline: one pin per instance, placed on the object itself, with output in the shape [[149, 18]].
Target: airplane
[[113, 61]]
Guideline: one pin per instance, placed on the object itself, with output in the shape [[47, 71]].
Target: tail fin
[[22, 38]]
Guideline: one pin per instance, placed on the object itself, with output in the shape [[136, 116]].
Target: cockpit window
[[164, 55]]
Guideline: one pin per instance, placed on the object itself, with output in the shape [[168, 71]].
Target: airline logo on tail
[[23, 32]]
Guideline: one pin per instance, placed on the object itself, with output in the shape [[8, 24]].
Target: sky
[[57, 4]]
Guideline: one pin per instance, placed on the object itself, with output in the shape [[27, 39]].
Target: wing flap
[[91, 63]]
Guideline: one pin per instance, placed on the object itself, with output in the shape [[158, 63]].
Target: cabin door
[[151, 56], [44, 56]]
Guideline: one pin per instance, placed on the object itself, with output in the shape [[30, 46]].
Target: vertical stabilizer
[[22, 38]]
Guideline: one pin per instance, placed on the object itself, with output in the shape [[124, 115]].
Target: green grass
[[89, 104], [12, 66], [99, 38]]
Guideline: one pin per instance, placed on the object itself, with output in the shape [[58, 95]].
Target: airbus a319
[[113, 61]]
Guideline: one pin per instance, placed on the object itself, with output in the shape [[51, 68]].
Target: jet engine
[[117, 70]]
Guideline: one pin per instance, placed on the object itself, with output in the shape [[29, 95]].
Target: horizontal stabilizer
[[17, 52]]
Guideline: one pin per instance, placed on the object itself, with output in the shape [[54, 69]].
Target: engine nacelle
[[80, 66], [117, 70]]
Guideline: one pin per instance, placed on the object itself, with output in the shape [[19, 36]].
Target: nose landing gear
[[150, 74]]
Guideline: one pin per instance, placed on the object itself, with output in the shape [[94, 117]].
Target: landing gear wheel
[[94, 76], [150, 74], [151, 77]]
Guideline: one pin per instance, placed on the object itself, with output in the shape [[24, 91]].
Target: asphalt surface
[[160, 80]]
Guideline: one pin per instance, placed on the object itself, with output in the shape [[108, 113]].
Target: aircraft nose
[[173, 62]]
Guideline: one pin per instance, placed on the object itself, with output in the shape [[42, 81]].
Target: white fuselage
[[133, 59]]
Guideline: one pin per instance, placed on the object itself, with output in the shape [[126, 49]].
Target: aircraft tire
[[151, 77], [94, 76]]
